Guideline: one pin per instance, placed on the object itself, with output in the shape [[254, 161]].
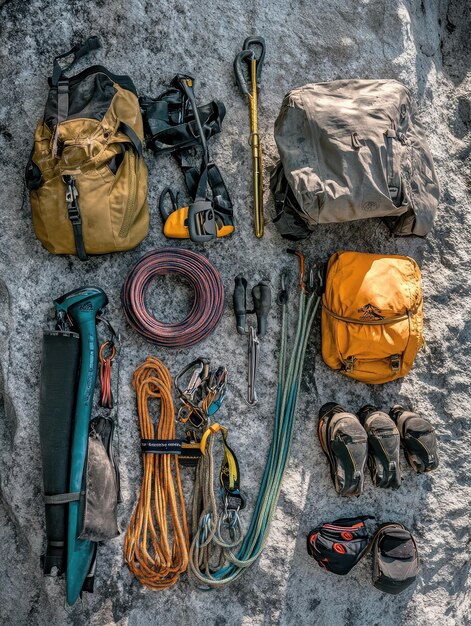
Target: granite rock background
[[424, 44]]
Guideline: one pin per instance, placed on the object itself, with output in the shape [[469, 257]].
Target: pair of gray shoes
[[373, 436]]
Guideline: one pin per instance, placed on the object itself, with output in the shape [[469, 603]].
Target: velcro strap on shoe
[[383, 449]]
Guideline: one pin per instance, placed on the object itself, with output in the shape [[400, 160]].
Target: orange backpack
[[372, 315]]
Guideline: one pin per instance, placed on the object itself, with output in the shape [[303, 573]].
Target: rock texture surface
[[424, 44]]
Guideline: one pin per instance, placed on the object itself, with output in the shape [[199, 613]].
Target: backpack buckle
[[280, 199], [74, 214], [63, 86], [396, 362], [201, 221], [71, 196], [350, 364]]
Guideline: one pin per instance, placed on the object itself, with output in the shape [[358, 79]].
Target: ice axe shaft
[[261, 296], [240, 303], [252, 370], [257, 166], [248, 57]]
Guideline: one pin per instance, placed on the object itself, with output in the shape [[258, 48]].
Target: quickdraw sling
[[215, 527], [215, 522], [175, 124]]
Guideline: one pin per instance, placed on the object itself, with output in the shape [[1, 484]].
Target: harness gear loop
[[154, 556]]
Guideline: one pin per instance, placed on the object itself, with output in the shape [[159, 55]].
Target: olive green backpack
[[351, 150], [86, 175]]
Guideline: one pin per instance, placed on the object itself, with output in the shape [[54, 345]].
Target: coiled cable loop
[[205, 311]]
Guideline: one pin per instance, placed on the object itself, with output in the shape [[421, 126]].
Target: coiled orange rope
[[154, 557]]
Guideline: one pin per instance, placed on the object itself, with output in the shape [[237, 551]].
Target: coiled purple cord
[[208, 302]]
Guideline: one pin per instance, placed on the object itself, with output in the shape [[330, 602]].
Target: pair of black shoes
[[373, 436], [338, 546]]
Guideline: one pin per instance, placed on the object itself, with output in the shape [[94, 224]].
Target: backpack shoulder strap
[[61, 82], [77, 52]]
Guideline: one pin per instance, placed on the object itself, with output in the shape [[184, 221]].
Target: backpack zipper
[[393, 176], [129, 212], [333, 527], [353, 320]]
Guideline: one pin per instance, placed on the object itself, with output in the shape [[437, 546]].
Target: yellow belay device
[[255, 64]]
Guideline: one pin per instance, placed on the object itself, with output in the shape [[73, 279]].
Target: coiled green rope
[[289, 380]]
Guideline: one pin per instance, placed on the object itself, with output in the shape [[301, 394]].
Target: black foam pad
[[59, 366]]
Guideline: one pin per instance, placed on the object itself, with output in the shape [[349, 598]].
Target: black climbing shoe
[[383, 447], [344, 442], [338, 546], [417, 438], [395, 558]]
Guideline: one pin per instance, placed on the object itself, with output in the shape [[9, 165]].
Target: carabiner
[[116, 338], [217, 379], [112, 351], [203, 372], [233, 500], [230, 523], [253, 360], [247, 55]]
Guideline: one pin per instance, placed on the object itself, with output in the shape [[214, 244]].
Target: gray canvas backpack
[[350, 150]]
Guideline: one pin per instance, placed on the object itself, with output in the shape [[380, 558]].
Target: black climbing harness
[[176, 124]]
